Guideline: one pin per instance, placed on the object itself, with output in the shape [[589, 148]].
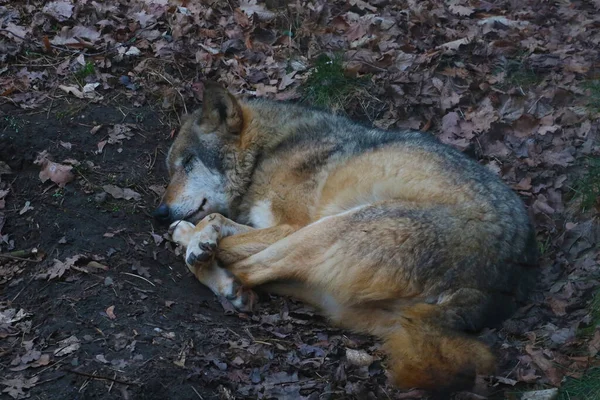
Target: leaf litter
[[58, 173], [512, 84]]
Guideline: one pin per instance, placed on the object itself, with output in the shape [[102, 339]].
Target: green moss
[[329, 87], [585, 388], [12, 123], [593, 91], [518, 74], [85, 70], [587, 187]]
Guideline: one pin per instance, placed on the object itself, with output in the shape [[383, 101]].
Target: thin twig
[[235, 333], [86, 179], [19, 253], [48, 367], [153, 161], [51, 379], [173, 85], [112, 383], [101, 378], [138, 276], [11, 257], [197, 394]]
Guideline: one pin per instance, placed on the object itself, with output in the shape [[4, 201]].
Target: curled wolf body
[[389, 233]]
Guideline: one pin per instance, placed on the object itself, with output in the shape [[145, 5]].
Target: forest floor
[[95, 302]]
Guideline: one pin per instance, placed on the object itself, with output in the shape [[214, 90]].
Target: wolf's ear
[[220, 109]]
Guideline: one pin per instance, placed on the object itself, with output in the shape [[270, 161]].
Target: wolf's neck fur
[[258, 138], [242, 158]]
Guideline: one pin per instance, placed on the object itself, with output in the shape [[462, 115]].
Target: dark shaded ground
[[171, 338]]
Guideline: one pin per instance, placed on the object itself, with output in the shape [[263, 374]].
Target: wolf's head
[[202, 159]]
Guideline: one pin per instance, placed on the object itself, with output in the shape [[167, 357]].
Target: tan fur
[[385, 175], [409, 241]]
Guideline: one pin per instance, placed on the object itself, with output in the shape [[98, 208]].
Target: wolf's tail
[[428, 356]]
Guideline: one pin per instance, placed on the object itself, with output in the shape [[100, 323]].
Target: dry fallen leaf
[[101, 145], [110, 312], [67, 346], [546, 394], [461, 10], [250, 8], [57, 173], [120, 193], [547, 365], [26, 208], [484, 116], [594, 344], [18, 31], [90, 87], [42, 361], [454, 45], [59, 268], [61, 10], [88, 91], [14, 386], [158, 189], [112, 234], [3, 194], [101, 358], [72, 90], [11, 315], [363, 5], [524, 184], [68, 36], [97, 265], [4, 168], [157, 239], [506, 381], [133, 51]]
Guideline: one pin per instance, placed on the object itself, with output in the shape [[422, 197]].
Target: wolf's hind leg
[[237, 247]]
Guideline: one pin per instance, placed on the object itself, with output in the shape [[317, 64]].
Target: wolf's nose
[[162, 213]]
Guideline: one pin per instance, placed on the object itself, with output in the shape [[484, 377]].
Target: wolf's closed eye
[[187, 162]]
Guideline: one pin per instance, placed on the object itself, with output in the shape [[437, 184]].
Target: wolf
[[388, 233]]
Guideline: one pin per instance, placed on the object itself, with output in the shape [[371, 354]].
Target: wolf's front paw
[[200, 253], [202, 247], [181, 232]]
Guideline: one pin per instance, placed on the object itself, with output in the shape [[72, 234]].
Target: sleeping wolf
[[393, 234]]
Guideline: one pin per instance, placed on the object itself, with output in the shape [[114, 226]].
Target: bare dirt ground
[[95, 301]]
